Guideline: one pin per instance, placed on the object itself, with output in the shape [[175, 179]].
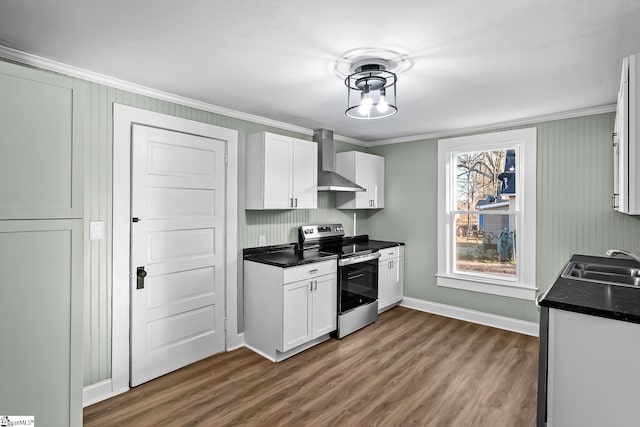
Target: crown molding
[[499, 125], [69, 70], [80, 73]]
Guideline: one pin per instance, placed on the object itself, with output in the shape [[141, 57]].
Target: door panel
[[41, 327], [278, 155], [305, 174], [396, 279], [178, 183], [325, 305], [296, 328]]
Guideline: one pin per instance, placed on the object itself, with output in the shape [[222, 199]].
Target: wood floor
[[409, 368]]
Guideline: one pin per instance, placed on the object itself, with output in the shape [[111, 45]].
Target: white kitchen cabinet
[[281, 172], [366, 170], [309, 310], [626, 140], [288, 310], [390, 277], [592, 374]]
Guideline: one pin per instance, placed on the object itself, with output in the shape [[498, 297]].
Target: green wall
[[574, 215]]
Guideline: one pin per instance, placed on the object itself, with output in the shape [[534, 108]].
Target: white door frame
[[123, 118]]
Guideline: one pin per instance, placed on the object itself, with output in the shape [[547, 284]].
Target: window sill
[[487, 287]]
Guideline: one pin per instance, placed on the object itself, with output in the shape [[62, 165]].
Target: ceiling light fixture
[[371, 90]]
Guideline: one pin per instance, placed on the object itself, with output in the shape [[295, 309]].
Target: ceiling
[[465, 63]]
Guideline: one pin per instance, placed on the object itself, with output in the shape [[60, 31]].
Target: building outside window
[[486, 213]]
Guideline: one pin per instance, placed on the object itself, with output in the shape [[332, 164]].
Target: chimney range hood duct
[[328, 179]]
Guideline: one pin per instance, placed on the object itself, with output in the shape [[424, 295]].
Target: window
[[487, 213]]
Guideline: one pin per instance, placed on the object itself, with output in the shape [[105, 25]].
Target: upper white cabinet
[[366, 170], [626, 140], [281, 172]]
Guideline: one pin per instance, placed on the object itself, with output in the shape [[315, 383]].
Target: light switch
[[96, 230], [262, 240]]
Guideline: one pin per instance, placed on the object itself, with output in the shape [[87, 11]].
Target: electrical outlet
[[262, 240]]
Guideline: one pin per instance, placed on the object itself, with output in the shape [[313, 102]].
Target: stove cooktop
[[330, 238]]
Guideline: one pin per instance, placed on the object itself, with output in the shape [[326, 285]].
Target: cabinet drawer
[[307, 271], [389, 253]]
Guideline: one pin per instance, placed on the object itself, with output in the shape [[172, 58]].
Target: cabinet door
[[396, 280], [362, 177], [325, 302], [383, 286], [278, 172], [41, 328], [589, 380], [366, 170], [305, 174], [376, 181], [296, 316], [41, 159]]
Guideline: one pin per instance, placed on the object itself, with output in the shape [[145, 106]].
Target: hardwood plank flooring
[[409, 368]]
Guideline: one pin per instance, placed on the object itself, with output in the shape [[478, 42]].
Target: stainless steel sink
[[602, 273]]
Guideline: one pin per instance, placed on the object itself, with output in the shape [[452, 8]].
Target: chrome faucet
[[614, 252]]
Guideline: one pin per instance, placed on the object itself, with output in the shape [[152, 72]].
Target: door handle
[[141, 274], [296, 203], [292, 202]]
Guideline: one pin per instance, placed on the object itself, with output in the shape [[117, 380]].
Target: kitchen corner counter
[[596, 299]]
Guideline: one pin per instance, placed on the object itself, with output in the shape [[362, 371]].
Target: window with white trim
[[487, 213]]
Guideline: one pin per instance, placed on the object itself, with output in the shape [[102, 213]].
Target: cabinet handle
[[296, 204], [311, 286], [314, 271], [315, 285], [614, 201], [291, 202]]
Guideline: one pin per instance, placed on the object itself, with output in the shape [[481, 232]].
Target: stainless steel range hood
[[328, 179]]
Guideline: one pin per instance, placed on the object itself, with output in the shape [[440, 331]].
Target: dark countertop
[[285, 255], [288, 255], [381, 244], [596, 299]]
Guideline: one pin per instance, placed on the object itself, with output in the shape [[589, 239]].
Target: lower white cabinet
[[288, 310], [308, 310], [592, 372], [390, 277]]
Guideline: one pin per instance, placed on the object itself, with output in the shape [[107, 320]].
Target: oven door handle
[[358, 259]]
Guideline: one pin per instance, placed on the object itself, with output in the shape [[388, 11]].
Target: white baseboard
[[487, 319], [98, 392], [236, 342]]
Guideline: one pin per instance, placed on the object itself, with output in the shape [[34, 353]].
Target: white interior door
[[177, 195]]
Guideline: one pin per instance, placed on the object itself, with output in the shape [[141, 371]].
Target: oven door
[[358, 281]]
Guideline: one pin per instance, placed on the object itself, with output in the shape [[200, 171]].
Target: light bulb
[[365, 102], [382, 101]]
